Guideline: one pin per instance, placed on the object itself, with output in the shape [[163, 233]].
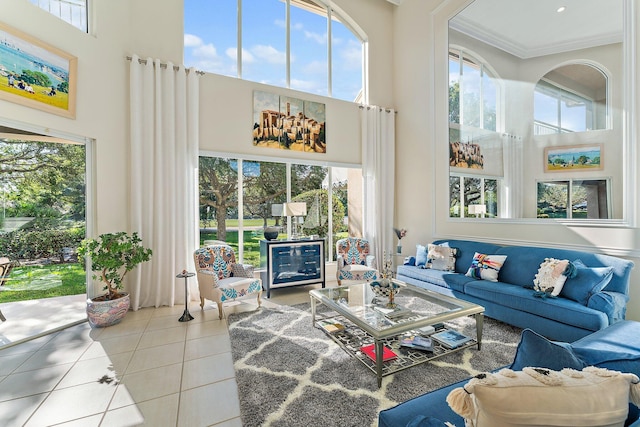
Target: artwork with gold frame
[[573, 158], [35, 74]]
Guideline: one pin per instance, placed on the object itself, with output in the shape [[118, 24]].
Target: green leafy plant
[[113, 255]]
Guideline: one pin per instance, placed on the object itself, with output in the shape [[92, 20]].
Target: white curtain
[[164, 160], [378, 169]]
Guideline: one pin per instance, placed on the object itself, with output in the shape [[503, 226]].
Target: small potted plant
[[112, 256]]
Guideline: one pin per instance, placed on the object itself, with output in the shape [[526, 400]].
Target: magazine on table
[[417, 342], [392, 312], [331, 326], [450, 338]]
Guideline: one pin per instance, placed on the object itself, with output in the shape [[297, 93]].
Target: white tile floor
[[148, 370]]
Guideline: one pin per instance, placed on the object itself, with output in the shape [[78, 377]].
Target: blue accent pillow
[[421, 255], [587, 281], [410, 260], [534, 350]]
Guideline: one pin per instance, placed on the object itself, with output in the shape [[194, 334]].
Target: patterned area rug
[[290, 373]]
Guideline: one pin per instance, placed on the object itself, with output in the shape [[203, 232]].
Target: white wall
[[420, 57]]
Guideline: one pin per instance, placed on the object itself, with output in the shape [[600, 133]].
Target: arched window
[[298, 44]]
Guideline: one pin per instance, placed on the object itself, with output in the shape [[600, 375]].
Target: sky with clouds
[[211, 45]]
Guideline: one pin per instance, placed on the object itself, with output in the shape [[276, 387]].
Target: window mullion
[[288, 42], [329, 59], [239, 41]]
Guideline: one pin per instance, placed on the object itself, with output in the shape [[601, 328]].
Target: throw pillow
[[486, 267], [536, 350], [441, 257], [421, 255], [544, 397], [588, 281], [551, 277]]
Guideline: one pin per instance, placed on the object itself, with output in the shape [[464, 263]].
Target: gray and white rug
[[290, 373]]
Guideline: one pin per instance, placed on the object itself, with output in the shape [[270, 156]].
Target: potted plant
[[112, 256]]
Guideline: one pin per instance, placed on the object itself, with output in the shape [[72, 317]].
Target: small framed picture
[[573, 158], [36, 74]]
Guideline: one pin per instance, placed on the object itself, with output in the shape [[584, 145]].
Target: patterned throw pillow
[[551, 277], [441, 257], [544, 397], [486, 267]]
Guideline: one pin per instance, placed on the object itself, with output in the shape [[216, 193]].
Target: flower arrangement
[[400, 232]]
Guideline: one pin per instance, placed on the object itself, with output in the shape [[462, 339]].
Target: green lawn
[[37, 282]]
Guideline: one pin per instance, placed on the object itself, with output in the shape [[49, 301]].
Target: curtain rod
[[368, 107], [163, 65]]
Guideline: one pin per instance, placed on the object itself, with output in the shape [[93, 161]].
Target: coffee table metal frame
[[353, 302]]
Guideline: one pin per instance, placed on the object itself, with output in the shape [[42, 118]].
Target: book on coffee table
[[417, 342], [370, 351], [450, 338], [391, 313], [331, 326]]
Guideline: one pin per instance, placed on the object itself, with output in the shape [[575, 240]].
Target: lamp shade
[[295, 209], [276, 209], [477, 209]]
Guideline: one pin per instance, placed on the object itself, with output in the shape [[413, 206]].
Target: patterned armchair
[[221, 279], [354, 261]]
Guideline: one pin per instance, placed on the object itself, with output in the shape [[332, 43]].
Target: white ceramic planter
[[106, 313]]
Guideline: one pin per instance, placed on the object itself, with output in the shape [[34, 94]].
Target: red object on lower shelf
[[370, 350]]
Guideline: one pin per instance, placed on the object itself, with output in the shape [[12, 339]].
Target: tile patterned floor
[[148, 370]]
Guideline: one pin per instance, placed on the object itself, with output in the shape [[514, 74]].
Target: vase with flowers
[[400, 233]]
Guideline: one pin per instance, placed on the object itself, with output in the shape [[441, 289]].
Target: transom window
[[298, 44], [73, 12]]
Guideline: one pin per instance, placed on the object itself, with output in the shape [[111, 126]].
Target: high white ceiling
[[534, 28]]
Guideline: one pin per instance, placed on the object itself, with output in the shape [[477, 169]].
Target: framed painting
[[573, 158], [36, 74], [288, 123]]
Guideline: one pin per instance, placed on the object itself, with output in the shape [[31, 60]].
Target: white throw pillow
[[486, 267], [550, 278], [543, 397], [441, 257]]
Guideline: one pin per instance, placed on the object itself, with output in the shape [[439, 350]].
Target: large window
[[473, 93], [324, 55], [236, 207], [473, 117], [558, 110], [474, 197], [577, 198], [73, 12]]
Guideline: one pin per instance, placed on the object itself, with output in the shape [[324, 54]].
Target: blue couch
[[511, 299], [616, 347]]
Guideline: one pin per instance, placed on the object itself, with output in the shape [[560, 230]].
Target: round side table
[[186, 316]]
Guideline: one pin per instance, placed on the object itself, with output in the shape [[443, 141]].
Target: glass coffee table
[[355, 318]]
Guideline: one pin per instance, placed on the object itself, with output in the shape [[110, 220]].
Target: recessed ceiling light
[[561, 9]]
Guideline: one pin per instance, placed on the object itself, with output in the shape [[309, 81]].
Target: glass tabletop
[[415, 307]]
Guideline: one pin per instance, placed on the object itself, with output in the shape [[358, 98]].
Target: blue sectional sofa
[[616, 348], [512, 299]]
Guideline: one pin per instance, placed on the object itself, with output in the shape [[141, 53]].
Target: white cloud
[[318, 38], [247, 57], [192, 41], [206, 51], [297, 26], [351, 56], [269, 54], [316, 67]]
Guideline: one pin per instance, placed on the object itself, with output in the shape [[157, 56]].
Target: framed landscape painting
[[573, 158], [36, 74]]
